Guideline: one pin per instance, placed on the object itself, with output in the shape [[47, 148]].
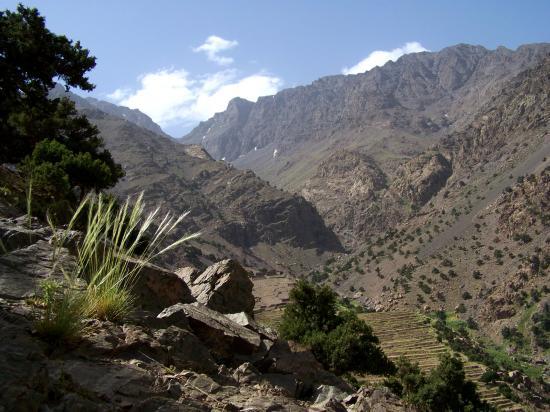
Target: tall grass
[[63, 316], [105, 257], [105, 254]]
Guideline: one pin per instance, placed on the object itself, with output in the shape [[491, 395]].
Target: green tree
[[337, 337], [32, 60], [444, 389]]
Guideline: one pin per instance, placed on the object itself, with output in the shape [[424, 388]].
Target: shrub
[[466, 295], [489, 376], [338, 338], [472, 324], [444, 389], [63, 315]]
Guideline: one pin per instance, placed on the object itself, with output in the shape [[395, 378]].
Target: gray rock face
[[224, 287], [378, 400], [290, 358], [22, 270], [158, 288], [223, 336], [246, 320], [421, 178], [14, 235]]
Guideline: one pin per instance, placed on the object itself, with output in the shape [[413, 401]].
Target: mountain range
[[423, 184]]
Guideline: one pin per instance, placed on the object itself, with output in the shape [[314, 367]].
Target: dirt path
[[465, 222]]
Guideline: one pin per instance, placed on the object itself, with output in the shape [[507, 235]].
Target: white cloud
[[213, 46], [119, 94], [380, 57], [174, 98]]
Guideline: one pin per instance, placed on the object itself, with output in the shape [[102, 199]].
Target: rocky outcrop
[[524, 205], [421, 178], [235, 211], [157, 288], [343, 189], [292, 358], [23, 270], [415, 92], [224, 287], [223, 336]]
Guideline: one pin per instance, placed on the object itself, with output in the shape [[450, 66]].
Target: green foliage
[[444, 389], [112, 236], [337, 338], [513, 335], [32, 59], [489, 376], [64, 312], [56, 169], [541, 327]]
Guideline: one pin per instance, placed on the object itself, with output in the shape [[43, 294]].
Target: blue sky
[[181, 61]]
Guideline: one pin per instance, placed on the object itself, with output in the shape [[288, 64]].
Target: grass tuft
[[113, 235]]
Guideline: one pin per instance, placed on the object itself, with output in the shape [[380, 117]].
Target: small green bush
[[62, 319], [338, 338], [444, 389]]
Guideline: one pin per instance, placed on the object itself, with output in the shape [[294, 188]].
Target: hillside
[[389, 114], [238, 214]]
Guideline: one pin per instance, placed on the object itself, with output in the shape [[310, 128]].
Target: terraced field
[[407, 334]]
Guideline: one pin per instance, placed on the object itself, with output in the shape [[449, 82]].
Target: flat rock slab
[[223, 336], [22, 270]]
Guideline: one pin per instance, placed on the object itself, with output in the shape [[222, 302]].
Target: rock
[[223, 336], [24, 379], [185, 350], [326, 394], [174, 315], [291, 358], [114, 384], [514, 375], [158, 288], [22, 270], [419, 179], [288, 383], [187, 274], [244, 319], [171, 346], [224, 287], [246, 373], [377, 400], [14, 234]]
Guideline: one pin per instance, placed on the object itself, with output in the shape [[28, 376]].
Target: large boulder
[[224, 287], [223, 336], [157, 288], [291, 358], [377, 400]]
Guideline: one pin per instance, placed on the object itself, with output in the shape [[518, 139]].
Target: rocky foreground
[[192, 345]]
